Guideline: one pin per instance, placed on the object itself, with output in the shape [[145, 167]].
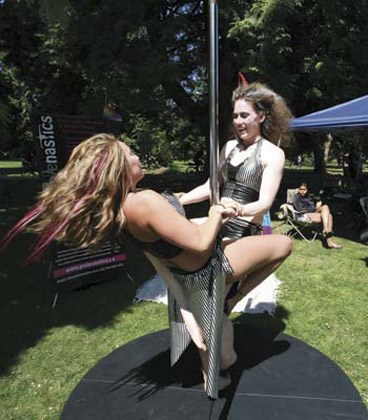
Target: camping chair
[[298, 227]]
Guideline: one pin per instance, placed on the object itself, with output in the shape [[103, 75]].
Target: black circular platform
[[276, 377]]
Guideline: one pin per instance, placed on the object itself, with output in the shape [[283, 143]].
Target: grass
[[325, 294], [10, 164], [45, 352]]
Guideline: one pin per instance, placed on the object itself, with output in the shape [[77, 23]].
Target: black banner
[[72, 267], [55, 137]]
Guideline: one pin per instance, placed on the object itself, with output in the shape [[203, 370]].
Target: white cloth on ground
[[261, 299]]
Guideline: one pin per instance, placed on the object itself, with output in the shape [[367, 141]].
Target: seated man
[[316, 213]]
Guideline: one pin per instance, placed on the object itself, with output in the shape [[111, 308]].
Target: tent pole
[[214, 100]]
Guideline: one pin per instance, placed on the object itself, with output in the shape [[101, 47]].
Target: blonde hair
[[82, 205], [275, 126]]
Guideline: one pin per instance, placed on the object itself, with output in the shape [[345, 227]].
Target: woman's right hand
[[229, 202]]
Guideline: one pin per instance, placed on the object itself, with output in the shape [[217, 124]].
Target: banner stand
[[68, 267]]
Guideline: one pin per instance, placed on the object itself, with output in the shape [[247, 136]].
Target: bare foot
[[333, 245]]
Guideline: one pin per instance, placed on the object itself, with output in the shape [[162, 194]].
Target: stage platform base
[[276, 377]]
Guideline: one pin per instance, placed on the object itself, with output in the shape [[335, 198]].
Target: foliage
[[312, 52], [151, 59]]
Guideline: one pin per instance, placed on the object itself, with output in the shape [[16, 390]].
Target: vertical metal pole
[[214, 100]]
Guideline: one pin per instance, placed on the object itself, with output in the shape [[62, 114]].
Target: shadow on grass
[[26, 297], [365, 261], [26, 301]]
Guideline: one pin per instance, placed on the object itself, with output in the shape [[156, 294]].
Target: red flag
[[241, 79]]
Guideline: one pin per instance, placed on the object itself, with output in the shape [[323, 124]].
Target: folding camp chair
[[298, 227]]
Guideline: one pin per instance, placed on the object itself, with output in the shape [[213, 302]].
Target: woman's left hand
[[229, 203]]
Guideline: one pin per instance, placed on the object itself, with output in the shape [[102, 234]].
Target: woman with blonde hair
[[94, 198]]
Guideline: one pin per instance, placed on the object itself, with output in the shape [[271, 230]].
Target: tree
[[312, 52], [151, 59]]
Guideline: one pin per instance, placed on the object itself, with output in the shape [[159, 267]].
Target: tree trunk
[[318, 152], [327, 148]]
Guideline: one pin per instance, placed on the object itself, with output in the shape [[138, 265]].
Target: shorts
[[238, 228], [303, 218]]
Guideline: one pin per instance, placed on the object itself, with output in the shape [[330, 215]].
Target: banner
[[72, 267], [55, 138], [57, 135]]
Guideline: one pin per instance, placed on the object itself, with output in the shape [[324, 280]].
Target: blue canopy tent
[[348, 115]]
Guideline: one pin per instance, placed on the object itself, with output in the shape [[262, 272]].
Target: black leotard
[[160, 248]]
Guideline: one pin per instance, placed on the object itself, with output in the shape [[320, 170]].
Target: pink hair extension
[[96, 171], [242, 80], [20, 225], [44, 241], [51, 233]]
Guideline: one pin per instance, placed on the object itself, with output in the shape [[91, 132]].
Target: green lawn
[[10, 164], [325, 293], [45, 352]]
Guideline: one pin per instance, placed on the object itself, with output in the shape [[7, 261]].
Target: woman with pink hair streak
[[94, 198]]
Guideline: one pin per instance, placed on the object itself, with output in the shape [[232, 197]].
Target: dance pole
[[214, 100]]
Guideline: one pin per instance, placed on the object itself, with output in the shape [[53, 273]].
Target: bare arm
[[196, 195], [155, 218], [203, 192]]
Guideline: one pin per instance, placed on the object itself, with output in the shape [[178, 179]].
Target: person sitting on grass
[[315, 212]]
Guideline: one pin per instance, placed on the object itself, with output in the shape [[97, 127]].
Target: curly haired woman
[[250, 166]]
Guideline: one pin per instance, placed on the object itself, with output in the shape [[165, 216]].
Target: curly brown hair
[[82, 205], [275, 126]]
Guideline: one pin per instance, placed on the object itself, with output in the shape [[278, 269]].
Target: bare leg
[[194, 329], [251, 282], [204, 361], [327, 220], [324, 216], [330, 243], [228, 355], [330, 223], [258, 257], [224, 382]]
